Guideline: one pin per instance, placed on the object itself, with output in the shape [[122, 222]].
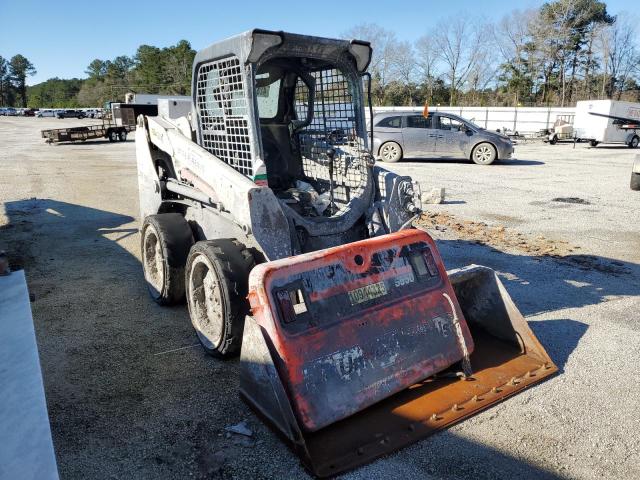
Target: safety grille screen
[[333, 126], [224, 113]]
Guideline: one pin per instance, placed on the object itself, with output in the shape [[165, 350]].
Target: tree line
[[562, 52], [151, 70], [555, 55]]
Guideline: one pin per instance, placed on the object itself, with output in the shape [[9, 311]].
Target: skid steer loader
[[263, 206]]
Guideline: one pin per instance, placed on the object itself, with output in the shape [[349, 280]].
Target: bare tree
[[404, 67], [458, 42], [385, 47], [427, 61], [618, 45], [512, 36]]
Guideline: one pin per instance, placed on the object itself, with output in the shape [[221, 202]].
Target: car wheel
[[593, 143], [390, 152], [484, 154], [634, 142]]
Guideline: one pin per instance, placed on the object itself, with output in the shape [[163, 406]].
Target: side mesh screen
[[333, 126], [221, 99]]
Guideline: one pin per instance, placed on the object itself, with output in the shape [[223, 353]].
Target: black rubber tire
[[482, 159], [174, 240], [593, 143], [635, 181], [395, 152], [553, 140], [230, 262], [633, 143], [122, 136], [112, 135]]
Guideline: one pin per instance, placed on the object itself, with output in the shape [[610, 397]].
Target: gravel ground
[[131, 395]]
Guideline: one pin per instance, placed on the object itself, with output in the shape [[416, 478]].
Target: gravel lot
[[131, 395]]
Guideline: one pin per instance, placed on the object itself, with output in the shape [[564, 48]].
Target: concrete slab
[[26, 450]]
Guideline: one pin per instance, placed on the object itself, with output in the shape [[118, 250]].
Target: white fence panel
[[520, 119]]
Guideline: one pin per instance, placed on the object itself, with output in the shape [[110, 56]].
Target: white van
[[608, 121]]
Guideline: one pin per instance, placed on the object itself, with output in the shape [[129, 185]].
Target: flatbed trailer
[[88, 132]]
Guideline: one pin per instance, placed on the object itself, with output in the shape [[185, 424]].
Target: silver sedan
[[398, 135]]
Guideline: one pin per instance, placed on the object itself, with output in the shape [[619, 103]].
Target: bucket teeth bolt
[[456, 407], [434, 417]]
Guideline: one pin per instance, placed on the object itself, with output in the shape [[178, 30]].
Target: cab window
[[448, 123], [268, 95], [390, 122], [418, 121]]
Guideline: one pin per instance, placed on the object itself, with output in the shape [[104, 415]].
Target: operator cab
[[312, 140]]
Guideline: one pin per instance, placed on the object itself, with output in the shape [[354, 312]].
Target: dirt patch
[[500, 238], [495, 236]]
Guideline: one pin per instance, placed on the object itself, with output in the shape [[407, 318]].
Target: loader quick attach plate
[[343, 351], [355, 324]]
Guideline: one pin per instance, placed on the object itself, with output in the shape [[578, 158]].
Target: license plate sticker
[[366, 293]]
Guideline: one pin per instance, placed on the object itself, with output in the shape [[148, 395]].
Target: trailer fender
[[148, 181]]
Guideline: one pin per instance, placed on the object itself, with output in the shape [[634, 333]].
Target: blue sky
[[62, 37]]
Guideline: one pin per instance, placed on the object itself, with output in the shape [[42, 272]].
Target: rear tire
[[484, 154], [593, 143], [165, 242], [390, 152], [113, 136], [633, 143], [217, 283], [122, 136], [553, 140], [635, 181]]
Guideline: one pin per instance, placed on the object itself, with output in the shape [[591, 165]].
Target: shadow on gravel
[[540, 283], [447, 455], [507, 163], [88, 142], [559, 338]]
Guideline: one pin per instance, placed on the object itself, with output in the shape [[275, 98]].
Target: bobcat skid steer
[[263, 206]]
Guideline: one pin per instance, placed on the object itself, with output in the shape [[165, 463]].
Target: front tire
[[553, 140], [633, 143], [593, 143], [165, 242], [217, 283], [484, 154], [390, 152]]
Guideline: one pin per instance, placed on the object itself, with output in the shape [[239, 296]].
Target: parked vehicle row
[[52, 112], [8, 112]]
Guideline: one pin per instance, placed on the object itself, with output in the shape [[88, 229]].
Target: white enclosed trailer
[[608, 121]]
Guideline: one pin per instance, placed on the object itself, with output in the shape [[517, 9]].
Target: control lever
[[331, 153]]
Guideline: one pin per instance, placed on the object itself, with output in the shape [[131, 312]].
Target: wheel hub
[[205, 299], [152, 260]]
